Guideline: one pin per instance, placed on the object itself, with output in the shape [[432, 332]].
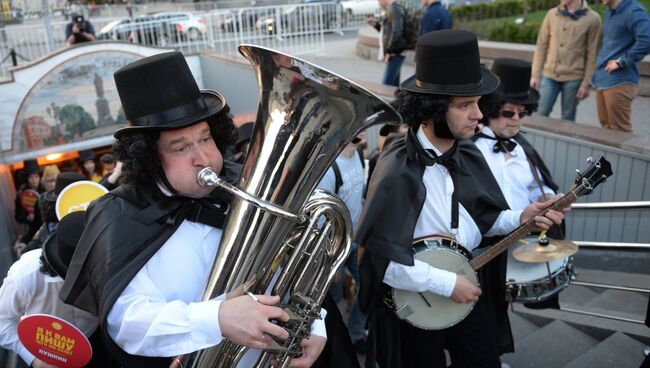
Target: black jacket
[[395, 198], [392, 24]]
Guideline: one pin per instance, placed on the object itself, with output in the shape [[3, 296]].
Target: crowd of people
[[131, 270], [567, 60]]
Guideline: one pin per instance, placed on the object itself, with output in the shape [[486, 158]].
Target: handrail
[[607, 286], [608, 316], [630, 205], [595, 244]]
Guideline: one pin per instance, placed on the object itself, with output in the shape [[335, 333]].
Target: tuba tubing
[[306, 115]]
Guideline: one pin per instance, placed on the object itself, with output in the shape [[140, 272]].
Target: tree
[[76, 120]]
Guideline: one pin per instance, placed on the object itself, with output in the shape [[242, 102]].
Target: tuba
[[275, 233]]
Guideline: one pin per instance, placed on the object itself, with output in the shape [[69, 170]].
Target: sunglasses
[[510, 114]]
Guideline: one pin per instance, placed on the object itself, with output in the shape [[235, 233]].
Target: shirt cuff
[[318, 327], [441, 282], [26, 355], [204, 321]]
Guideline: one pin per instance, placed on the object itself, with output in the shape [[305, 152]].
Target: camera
[[79, 21]]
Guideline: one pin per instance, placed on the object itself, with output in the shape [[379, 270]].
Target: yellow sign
[[77, 196]]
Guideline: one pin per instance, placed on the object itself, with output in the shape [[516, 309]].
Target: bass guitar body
[[430, 311]]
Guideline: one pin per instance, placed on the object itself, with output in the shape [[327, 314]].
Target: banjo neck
[[519, 232]]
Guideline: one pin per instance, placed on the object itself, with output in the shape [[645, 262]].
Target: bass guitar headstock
[[589, 179]]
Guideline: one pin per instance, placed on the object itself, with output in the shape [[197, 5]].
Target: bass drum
[[534, 282]]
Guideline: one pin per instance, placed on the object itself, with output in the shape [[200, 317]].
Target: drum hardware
[[442, 252]]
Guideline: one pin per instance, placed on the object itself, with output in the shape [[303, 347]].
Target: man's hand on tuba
[[311, 349], [245, 321]]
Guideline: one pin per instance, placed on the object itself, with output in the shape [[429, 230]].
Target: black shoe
[[360, 346]]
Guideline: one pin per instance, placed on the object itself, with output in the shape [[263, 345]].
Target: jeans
[[549, 89], [393, 67]]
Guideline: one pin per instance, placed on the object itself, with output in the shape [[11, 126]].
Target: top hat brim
[[531, 98], [52, 256], [489, 82], [214, 103]]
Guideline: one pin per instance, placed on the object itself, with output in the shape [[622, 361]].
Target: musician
[[434, 182], [517, 167], [146, 254]]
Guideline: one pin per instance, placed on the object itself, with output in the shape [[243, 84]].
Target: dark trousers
[[471, 343]]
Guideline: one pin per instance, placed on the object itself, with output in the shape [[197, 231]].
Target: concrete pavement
[[340, 57]]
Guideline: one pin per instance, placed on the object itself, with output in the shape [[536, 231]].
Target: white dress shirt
[[513, 173], [160, 313], [27, 291], [435, 218]]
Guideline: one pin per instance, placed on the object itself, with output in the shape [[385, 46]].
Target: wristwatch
[[618, 62]]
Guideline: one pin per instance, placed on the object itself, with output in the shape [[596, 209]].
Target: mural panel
[[75, 101]]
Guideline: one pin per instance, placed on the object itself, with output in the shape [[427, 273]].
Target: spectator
[[32, 287], [47, 209], [626, 41], [49, 177], [79, 30], [108, 163], [435, 17], [88, 165], [391, 39], [565, 56], [25, 211], [346, 179]]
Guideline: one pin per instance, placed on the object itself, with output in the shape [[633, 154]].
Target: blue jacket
[[435, 17], [626, 38]]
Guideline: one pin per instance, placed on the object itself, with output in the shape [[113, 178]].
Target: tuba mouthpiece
[[207, 177]]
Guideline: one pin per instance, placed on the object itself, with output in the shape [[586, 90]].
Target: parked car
[[181, 25], [301, 17], [143, 29]]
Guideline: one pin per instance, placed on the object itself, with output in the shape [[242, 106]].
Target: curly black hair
[[138, 150], [418, 107], [492, 103]]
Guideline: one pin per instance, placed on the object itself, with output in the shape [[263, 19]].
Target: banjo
[[430, 311]]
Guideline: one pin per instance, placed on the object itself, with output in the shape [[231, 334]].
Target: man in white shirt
[[517, 167], [433, 182], [147, 252], [32, 286]]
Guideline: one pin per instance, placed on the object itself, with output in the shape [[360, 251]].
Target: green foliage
[[76, 120], [510, 32], [499, 9]]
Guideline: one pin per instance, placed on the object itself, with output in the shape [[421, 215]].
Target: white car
[[357, 8], [182, 24]]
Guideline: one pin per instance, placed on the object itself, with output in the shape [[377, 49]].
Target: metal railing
[[609, 206], [293, 28]]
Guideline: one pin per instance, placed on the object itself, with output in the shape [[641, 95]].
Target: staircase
[[558, 338]]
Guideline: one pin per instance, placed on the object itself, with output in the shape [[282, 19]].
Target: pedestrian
[[435, 17], [391, 39], [626, 41], [565, 56]]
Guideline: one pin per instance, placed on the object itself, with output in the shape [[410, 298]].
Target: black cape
[[395, 198]]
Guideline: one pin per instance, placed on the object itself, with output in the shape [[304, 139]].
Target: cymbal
[[535, 252]]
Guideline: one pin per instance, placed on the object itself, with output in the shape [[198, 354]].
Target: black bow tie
[[504, 145], [176, 209]]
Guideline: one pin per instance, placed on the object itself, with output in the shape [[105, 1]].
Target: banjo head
[[430, 311]]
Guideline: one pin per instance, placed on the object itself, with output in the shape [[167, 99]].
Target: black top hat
[[86, 155], [448, 63], [31, 167], [160, 93], [59, 247], [515, 81], [244, 133]]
